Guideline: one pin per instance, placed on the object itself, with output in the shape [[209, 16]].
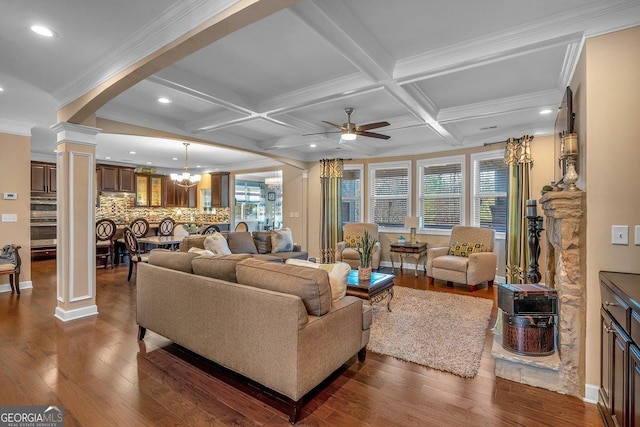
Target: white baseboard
[[27, 284], [79, 313], [591, 393]]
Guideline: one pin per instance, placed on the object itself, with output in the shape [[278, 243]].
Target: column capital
[[75, 133]]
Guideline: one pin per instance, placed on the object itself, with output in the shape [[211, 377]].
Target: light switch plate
[[10, 196], [9, 217], [637, 235], [619, 234]]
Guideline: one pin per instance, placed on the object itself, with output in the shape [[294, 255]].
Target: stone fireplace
[[565, 271]]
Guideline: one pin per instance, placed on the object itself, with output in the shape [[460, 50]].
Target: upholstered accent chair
[[469, 258], [352, 233], [10, 263]]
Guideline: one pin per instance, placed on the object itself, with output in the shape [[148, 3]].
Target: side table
[[404, 250]]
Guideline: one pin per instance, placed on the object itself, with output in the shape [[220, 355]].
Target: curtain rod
[[486, 144]]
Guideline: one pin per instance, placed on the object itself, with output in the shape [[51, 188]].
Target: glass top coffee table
[[375, 290]]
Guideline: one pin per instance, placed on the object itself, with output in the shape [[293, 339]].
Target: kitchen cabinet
[[43, 179], [180, 197], [149, 190], [220, 189], [619, 393], [116, 179]]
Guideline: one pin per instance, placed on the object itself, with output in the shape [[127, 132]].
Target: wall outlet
[[619, 234], [10, 196], [9, 217]]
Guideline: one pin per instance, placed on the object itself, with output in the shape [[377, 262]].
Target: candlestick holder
[[535, 228], [571, 177]]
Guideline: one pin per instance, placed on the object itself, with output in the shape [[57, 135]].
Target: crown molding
[[177, 20], [547, 98], [567, 28], [16, 128]]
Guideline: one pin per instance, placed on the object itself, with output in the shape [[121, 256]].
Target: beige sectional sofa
[[273, 323], [244, 242]]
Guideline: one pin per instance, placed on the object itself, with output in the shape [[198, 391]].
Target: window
[[489, 197], [441, 192], [390, 189], [352, 193]]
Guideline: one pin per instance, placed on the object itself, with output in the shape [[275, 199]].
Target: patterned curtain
[[517, 156], [330, 208]]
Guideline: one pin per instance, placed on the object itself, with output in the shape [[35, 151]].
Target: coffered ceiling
[[445, 74]]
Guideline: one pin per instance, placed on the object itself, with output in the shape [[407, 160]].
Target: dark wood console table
[[403, 250]]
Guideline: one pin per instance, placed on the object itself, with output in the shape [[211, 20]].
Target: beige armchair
[[470, 264], [352, 235]]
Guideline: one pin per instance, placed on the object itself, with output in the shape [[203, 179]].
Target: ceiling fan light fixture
[[349, 136]]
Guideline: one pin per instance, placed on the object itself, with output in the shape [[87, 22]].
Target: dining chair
[[140, 228], [165, 228], [10, 264], [242, 226], [135, 256], [105, 247], [211, 229]]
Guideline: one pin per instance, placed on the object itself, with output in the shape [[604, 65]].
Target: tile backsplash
[[122, 210]]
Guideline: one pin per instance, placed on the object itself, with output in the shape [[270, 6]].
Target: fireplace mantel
[[565, 269]]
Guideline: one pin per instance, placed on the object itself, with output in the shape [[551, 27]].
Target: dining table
[[170, 241]]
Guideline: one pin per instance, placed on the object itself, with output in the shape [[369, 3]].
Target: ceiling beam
[[239, 15]]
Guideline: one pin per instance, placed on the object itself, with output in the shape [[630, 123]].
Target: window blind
[[490, 193], [441, 195], [390, 196]]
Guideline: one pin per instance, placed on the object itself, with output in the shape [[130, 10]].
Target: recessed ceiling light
[[547, 111], [149, 163], [174, 158], [1, 89], [198, 166], [107, 157], [43, 31], [132, 152], [312, 145], [164, 100]]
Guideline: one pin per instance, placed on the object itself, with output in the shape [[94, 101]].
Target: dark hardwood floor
[[97, 370]]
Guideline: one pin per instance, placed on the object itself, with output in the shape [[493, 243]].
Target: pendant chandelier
[[185, 179]]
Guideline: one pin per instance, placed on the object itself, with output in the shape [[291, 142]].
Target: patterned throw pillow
[[217, 244], [465, 248], [352, 241], [281, 241]]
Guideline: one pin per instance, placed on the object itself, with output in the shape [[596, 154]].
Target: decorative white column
[[76, 237]]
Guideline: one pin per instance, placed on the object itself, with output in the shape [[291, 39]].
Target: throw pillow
[[221, 267], [281, 241], [262, 239], [241, 242], [200, 251], [338, 275], [465, 249], [217, 244]]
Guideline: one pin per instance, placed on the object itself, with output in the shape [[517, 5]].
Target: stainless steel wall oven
[[43, 226]]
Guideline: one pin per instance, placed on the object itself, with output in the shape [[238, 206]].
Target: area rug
[[435, 329]]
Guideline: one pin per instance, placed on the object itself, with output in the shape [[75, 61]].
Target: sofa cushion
[[180, 261], [451, 262], [217, 244], [311, 285], [465, 248], [200, 251], [262, 240], [218, 266], [281, 240], [241, 242], [192, 242], [338, 275], [288, 255]]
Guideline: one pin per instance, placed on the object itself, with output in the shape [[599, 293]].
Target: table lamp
[[413, 222]]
